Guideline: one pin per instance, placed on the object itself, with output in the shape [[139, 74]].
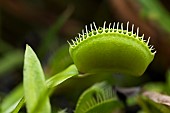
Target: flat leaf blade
[[34, 82]]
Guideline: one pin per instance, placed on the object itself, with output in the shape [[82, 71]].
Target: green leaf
[[62, 76], [19, 105], [11, 101], [34, 83], [100, 98]]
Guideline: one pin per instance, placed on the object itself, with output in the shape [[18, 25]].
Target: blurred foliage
[[46, 25], [11, 100], [156, 12]]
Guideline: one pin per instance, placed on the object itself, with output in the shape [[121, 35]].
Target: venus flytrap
[[100, 50], [108, 50], [100, 98], [113, 50]]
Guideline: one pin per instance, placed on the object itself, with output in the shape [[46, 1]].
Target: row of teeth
[[100, 98], [113, 28]]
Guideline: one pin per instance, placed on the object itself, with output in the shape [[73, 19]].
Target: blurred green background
[[46, 25]]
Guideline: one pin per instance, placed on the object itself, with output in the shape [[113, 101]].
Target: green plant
[[101, 50], [98, 99], [111, 50]]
